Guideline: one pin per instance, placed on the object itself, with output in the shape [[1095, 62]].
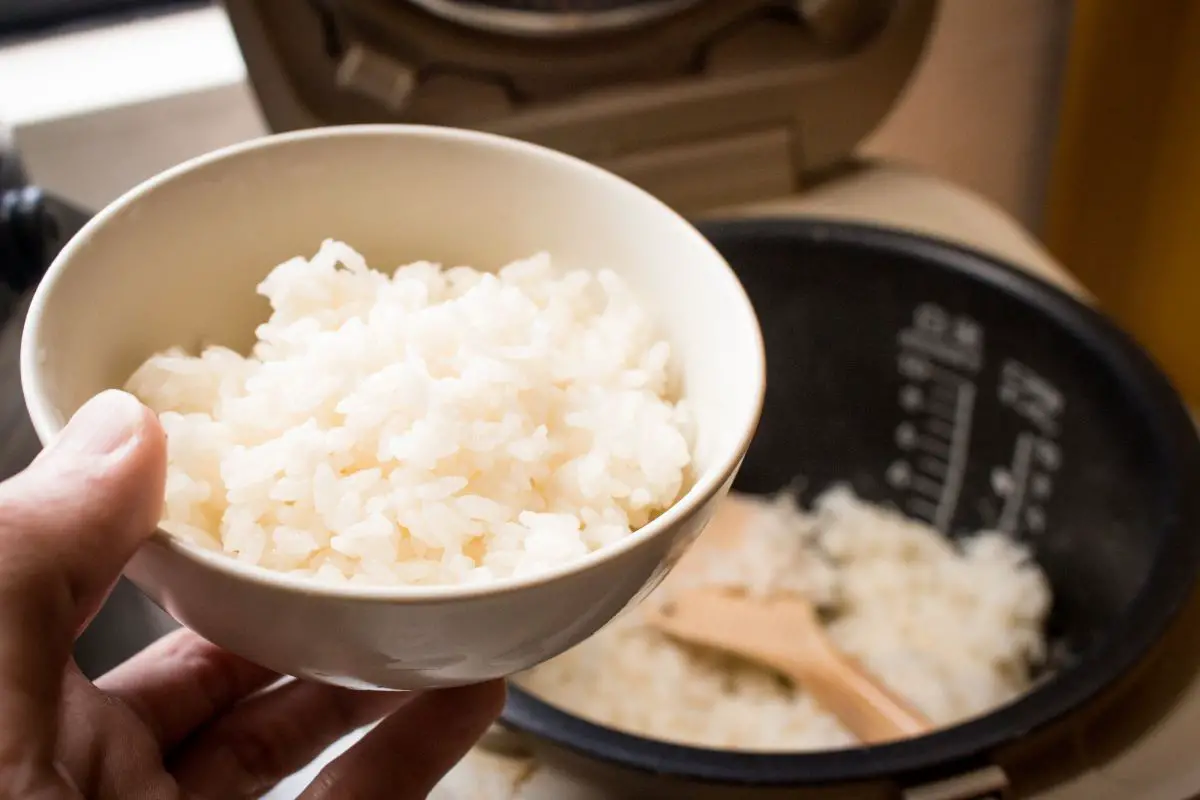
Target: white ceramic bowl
[[176, 261]]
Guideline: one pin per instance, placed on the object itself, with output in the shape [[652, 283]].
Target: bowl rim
[[47, 420], [970, 744]]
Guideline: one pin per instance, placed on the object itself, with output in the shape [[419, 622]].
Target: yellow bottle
[[1124, 203]]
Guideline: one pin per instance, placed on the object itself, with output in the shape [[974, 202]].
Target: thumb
[[68, 524], [72, 520]]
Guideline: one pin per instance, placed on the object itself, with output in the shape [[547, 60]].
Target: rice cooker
[[724, 109], [721, 108]]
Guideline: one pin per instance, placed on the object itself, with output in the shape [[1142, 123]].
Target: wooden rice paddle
[[786, 635]]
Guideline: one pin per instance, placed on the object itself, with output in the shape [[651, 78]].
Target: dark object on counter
[[34, 226], [29, 236], [964, 392]]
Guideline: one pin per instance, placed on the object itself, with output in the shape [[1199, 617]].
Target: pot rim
[[1167, 589]]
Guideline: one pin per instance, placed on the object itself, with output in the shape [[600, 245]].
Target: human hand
[[182, 719]]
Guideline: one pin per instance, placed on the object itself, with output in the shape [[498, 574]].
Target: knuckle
[[331, 784], [261, 756], [216, 677], [324, 787]]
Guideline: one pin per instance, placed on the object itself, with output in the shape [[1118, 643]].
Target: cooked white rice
[[955, 629], [433, 426]]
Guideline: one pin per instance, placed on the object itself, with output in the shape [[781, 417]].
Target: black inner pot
[[968, 394]]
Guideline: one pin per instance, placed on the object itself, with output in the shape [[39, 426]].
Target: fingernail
[[103, 425]]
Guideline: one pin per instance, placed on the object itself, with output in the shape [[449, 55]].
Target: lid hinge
[[377, 76]]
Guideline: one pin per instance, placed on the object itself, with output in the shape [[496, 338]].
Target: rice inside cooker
[[956, 628]]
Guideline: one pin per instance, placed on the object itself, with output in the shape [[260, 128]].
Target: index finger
[[408, 753]]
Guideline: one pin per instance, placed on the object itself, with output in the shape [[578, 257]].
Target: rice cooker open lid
[[704, 102]]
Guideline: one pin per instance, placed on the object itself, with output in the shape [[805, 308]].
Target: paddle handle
[[862, 702]]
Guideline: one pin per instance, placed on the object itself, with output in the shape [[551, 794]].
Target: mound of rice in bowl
[[433, 426]]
